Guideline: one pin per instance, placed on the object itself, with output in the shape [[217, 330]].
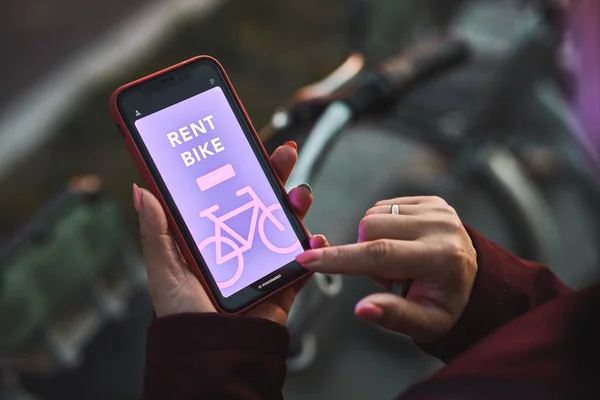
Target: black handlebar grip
[[381, 86], [424, 61]]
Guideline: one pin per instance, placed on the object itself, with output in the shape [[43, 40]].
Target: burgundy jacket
[[516, 339]]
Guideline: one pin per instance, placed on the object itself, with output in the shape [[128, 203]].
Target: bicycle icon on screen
[[244, 243]]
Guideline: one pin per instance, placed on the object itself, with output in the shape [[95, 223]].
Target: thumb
[[423, 323], [160, 251]]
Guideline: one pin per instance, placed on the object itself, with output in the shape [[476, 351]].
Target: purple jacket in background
[[585, 27]]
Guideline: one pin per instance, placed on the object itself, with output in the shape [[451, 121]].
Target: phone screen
[[216, 180]]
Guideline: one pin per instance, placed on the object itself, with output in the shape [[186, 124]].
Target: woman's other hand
[[425, 242]]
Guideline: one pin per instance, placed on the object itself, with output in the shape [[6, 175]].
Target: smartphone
[[198, 152]]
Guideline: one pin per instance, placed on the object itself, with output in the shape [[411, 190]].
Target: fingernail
[[309, 258], [137, 198], [368, 311], [318, 241], [292, 144], [307, 186]]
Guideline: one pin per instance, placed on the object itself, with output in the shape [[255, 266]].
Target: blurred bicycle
[[489, 140]]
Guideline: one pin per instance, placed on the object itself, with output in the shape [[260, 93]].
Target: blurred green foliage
[[54, 263]]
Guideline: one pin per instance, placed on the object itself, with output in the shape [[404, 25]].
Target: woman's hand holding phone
[[173, 287]]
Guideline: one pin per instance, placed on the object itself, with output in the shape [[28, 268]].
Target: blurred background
[[497, 113]]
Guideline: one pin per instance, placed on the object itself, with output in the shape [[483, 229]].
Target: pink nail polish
[[292, 144], [309, 257], [368, 311], [137, 198]]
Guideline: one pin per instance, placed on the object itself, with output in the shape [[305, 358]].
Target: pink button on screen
[[215, 177]]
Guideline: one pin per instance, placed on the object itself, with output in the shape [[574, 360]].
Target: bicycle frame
[[256, 205]]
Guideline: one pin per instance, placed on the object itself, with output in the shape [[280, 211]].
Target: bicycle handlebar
[[376, 89], [384, 85], [243, 191]]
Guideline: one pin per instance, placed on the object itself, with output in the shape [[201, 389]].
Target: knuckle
[[438, 200], [453, 223], [456, 219], [448, 209], [332, 254], [447, 218], [453, 251], [379, 250]]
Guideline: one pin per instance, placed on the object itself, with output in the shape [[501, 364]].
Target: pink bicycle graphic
[[257, 206]]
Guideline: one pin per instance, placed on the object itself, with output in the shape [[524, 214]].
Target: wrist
[[213, 331], [176, 306]]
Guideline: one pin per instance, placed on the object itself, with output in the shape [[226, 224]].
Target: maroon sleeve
[[214, 356], [505, 288]]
